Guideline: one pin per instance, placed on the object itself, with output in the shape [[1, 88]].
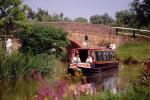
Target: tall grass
[[20, 65], [135, 51]]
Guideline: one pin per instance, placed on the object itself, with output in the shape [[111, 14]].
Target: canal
[[114, 80]]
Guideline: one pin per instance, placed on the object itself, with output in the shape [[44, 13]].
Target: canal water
[[114, 80]]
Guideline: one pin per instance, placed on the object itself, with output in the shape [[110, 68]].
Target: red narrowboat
[[102, 59]]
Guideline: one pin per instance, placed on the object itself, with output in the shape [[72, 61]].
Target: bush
[[43, 39]]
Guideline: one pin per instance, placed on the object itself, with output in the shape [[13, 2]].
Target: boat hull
[[98, 68]]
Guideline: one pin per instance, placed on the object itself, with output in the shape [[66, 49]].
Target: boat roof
[[101, 48]]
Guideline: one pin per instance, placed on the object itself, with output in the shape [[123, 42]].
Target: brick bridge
[[98, 35]]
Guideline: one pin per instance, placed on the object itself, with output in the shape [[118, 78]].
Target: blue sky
[[80, 8]]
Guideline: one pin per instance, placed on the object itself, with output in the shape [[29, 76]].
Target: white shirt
[[76, 60], [112, 46], [89, 60]]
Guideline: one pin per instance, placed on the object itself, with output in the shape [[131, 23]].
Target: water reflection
[[104, 81], [110, 84], [83, 89]]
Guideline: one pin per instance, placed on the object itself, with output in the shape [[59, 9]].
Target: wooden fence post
[[134, 33]]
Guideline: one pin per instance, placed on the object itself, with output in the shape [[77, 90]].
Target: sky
[[80, 8]]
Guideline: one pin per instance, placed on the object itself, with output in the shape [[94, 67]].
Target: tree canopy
[[106, 19], [11, 11], [101, 19], [124, 18], [80, 19], [96, 19], [137, 16], [142, 11]]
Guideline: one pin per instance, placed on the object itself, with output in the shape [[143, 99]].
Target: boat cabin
[[102, 59], [98, 55]]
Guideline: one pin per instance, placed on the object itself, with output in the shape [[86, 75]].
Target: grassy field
[[135, 51]]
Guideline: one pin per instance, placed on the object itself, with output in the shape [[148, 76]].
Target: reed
[[18, 66]]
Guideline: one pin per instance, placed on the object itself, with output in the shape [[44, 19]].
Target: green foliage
[[11, 11], [96, 19], [30, 13], [20, 65], [106, 19], [101, 19], [39, 39], [142, 12], [80, 19], [41, 14], [137, 17], [67, 19], [124, 18], [134, 51]]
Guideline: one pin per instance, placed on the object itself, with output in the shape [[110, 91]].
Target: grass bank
[[133, 52]]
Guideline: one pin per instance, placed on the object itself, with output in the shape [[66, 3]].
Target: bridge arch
[[74, 44]]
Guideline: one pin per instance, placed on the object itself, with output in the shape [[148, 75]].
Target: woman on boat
[[89, 59], [76, 59]]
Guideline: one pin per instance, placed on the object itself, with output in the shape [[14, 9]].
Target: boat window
[[99, 56], [107, 55], [112, 54], [104, 55]]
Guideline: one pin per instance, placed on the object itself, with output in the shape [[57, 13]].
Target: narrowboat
[[102, 60]]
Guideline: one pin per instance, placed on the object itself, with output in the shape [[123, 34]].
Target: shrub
[[43, 39]]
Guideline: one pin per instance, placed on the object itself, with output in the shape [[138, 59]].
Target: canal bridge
[[96, 35]]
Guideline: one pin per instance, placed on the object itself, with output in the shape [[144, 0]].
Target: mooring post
[[85, 41], [134, 33], [116, 31]]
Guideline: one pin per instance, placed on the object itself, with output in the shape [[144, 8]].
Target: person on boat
[[89, 59], [76, 59], [112, 46]]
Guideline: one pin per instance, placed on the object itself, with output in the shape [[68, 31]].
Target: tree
[[67, 19], [61, 15], [106, 19], [101, 19], [96, 19], [30, 13], [124, 18], [142, 12], [41, 14], [11, 11], [80, 19], [39, 39]]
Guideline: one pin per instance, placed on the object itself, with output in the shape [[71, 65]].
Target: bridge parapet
[[85, 28], [97, 34]]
